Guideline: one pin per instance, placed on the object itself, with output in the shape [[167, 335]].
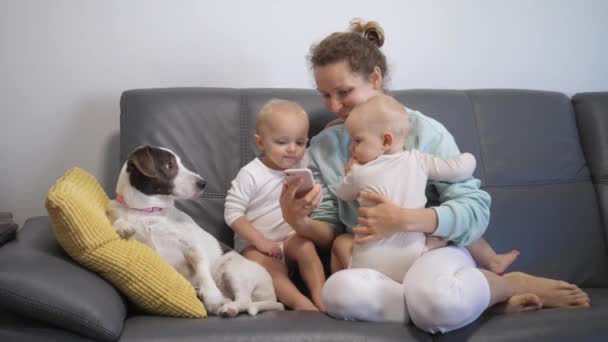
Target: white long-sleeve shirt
[[255, 194], [401, 177]]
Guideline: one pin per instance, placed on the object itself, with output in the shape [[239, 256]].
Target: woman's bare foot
[[552, 293], [501, 262], [519, 303]]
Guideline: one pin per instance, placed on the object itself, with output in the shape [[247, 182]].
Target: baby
[[253, 211], [378, 129]]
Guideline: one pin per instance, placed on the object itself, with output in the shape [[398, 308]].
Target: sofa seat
[[267, 327]]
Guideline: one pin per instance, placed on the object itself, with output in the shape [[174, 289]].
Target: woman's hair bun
[[370, 30]]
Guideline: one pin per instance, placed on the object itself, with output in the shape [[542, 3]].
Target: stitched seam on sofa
[[602, 179], [481, 151], [214, 195], [51, 309], [538, 183], [243, 127]]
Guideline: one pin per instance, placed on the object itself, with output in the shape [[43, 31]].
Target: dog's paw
[[228, 310], [212, 300], [123, 229], [253, 310]]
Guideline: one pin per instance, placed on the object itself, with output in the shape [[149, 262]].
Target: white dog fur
[[149, 182]]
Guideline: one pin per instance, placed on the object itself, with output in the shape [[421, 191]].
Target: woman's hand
[[296, 210], [385, 218]]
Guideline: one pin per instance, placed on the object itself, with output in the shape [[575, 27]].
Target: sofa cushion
[[18, 328], [41, 283], [76, 205], [212, 130]]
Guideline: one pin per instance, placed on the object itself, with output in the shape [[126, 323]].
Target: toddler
[[378, 129], [253, 211]]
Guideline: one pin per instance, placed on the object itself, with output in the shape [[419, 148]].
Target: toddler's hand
[[269, 248]]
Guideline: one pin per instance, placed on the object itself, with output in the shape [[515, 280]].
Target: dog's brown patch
[[152, 170]]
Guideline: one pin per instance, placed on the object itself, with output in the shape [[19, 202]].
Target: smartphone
[[305, 174]]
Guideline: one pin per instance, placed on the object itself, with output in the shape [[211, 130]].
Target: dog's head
[[154, 174]]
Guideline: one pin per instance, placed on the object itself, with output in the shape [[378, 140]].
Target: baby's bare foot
[[520, 303], [306, 308], [552, 293], [319, 303], [306, 305], [501, 262]]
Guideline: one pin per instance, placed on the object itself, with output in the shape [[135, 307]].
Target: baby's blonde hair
[[277, 107], [383, 113]]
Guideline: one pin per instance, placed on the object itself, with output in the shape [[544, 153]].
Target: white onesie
[[255, 194], [401, 177]]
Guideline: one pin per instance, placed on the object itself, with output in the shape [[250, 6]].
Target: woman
[[443, 290]]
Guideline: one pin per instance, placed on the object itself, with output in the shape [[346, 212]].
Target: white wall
[[64, 63]]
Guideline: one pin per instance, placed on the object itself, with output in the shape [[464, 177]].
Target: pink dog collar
[[121, 199]]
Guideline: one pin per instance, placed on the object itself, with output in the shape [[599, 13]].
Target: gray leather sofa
[[541, 155]]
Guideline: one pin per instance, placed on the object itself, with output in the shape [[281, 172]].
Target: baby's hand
[[269, 248], [349, 165]]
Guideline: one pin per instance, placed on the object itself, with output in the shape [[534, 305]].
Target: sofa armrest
[[8, 228], [39, 281]]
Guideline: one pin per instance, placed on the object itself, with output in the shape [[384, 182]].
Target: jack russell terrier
[[150, 181]]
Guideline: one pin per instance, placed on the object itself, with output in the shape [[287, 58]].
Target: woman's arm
[[328, 152], [296, 210], [464, 212]]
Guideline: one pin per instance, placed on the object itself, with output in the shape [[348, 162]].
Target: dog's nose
[[201, 184]]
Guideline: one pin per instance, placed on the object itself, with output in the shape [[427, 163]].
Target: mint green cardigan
[[464, 211]]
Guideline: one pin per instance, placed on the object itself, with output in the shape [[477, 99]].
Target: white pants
[[444, 290]]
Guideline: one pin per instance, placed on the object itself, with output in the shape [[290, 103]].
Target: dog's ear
[[143, 160]]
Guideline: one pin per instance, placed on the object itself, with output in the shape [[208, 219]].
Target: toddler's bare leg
[[434, 242], [302, 251], [341, 252], [287, 292]]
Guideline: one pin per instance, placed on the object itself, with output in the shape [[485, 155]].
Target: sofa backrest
[[527, 145], [592, 121]]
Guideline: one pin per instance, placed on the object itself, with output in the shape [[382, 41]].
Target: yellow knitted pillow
[[76, 206]]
